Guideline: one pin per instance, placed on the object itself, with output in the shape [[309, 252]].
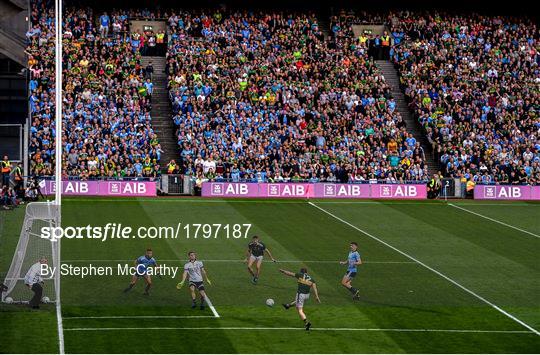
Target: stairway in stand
[[161, 113], [324, 24], [392, 78]]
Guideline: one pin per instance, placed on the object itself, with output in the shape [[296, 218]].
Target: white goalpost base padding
[[30, 249]]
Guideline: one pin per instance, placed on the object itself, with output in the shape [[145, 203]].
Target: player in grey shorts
[[194, 272]]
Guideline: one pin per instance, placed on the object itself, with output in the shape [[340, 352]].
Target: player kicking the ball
[[195, 270], [305, 284], [353, 260], [255, 252], [141, 270]]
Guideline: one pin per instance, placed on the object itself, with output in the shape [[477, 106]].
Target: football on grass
[[270, 302], [45, 299], [8, 300]]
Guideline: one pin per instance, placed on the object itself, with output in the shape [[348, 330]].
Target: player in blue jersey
[[142, 264], [353, 260]]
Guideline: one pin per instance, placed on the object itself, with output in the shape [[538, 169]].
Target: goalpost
[[31, 247]]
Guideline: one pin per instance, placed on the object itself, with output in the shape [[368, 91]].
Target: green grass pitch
[[405, 307]]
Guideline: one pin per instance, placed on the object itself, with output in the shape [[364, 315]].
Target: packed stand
[[473, 83], [107, 129], [262, 97]]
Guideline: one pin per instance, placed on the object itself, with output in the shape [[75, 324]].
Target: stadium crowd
[[263, 97], [266, 97], [107, 128], [473, 83]]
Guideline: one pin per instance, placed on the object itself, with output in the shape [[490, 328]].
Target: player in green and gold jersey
[[305, 284]]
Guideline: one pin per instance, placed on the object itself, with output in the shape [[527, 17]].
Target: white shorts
[[300, 299], [255, 258]]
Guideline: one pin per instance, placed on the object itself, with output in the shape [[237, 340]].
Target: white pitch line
[[312, 329], [495, 220], [138, 317], [240, 261], [494, 306], [211, 306]]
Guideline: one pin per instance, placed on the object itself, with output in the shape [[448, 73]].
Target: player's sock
[[147, 288], [353, 290], [129, 287], [308, 324], [202, 303], [193, 303]]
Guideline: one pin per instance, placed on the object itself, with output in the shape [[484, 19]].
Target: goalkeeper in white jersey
[[194, 272]]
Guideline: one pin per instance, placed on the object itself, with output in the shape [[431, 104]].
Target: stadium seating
[[266, 97], [107, 128], [472, 82], [262, 97]]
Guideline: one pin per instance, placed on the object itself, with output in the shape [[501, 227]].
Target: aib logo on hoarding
[[217, 189], [386, 191], [508, 192], [489, 192], [273, 190], [329, 190], [115, 188]]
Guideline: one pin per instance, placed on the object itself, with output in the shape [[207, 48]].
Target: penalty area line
[[312, 329], [452, 281]]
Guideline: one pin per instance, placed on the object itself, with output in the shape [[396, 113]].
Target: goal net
[[30, 249]]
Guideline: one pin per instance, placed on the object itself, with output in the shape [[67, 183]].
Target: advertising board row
[[313, 190], [286, 190], [101, 188]]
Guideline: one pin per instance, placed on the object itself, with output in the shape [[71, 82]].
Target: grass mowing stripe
[[495, 220], [312, 329], [431, 269], [138, 317]]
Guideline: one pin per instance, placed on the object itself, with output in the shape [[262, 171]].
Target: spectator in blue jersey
[[104, 22], [149, 87], [142, 263]]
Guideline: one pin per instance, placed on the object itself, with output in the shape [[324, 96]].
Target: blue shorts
[[350, 274]]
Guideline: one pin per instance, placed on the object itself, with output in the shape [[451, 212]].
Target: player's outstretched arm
[[270, 255], [206, 276], [181, 283], [316, 292], [286, 272]]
